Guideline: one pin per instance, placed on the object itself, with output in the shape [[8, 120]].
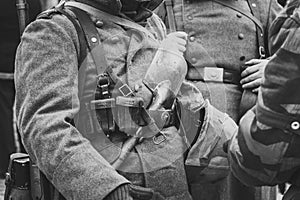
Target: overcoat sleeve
[[266, 149], [46, 101]]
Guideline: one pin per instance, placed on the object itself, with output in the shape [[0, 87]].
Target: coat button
[[295, 125], [192, 38], [239, 15], [190, 17], [99, 23], [165, 116], [193, 60], [253, 5], [94, 39], [241, 36]]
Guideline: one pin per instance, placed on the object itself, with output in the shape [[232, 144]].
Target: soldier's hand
[[175, 42], [121, 192], [252, 75]]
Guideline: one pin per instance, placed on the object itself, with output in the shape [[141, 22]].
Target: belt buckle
[[213, 74]]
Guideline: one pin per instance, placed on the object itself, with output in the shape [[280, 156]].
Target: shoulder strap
[[170, 15], [175, 22], [251, 16], [259, 32], [91, 38]]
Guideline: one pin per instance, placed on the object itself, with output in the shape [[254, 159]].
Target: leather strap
[[198, 74], [108, 17], [252, 16], [6, 76], [259, 32], [170, 15], [242, 11], [23, 15], [92, 38]]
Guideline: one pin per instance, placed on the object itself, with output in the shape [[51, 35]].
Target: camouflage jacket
[[266, 149]]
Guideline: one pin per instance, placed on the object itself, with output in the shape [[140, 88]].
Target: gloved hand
[[175, 42]]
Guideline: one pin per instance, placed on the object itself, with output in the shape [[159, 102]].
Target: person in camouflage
[[266, 149]]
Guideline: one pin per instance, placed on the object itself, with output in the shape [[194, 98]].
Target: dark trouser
[[7, 145]]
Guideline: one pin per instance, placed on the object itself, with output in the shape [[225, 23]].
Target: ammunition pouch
[[120, 111], [127, 114]]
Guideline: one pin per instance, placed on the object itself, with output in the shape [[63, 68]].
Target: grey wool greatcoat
[[48, 91], [48, 86], [220, 37]]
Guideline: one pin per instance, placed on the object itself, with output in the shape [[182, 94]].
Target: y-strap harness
[[89, 39]]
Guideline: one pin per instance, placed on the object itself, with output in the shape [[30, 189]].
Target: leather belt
[[6, 76], [213, 74]]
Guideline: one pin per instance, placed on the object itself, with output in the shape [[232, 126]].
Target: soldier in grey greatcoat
[[222, 42], [59, 118]]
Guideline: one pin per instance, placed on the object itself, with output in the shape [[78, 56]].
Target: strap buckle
[[262, 52], [103, 85], [213, 74], [159, 138], [125, 90]]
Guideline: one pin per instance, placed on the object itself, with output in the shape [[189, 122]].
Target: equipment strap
[[82, 44], [252, 17], [6, 76], [170, 15], [242, 11], [259, 32], [92, 38], [108, 17]]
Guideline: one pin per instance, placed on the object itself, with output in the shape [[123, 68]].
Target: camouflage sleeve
[[207, 130], [265, 151], [46, 100]]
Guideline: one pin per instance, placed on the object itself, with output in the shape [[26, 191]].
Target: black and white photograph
[[150, 100]]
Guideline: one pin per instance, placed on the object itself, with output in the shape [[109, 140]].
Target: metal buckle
[[129, 101], [102, 104], [262, 52], [213, 74], [159, 138], [125, 90]]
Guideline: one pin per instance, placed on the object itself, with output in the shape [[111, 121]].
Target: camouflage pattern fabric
[[266, 149]]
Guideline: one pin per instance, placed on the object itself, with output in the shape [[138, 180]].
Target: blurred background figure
[[9, 39]]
